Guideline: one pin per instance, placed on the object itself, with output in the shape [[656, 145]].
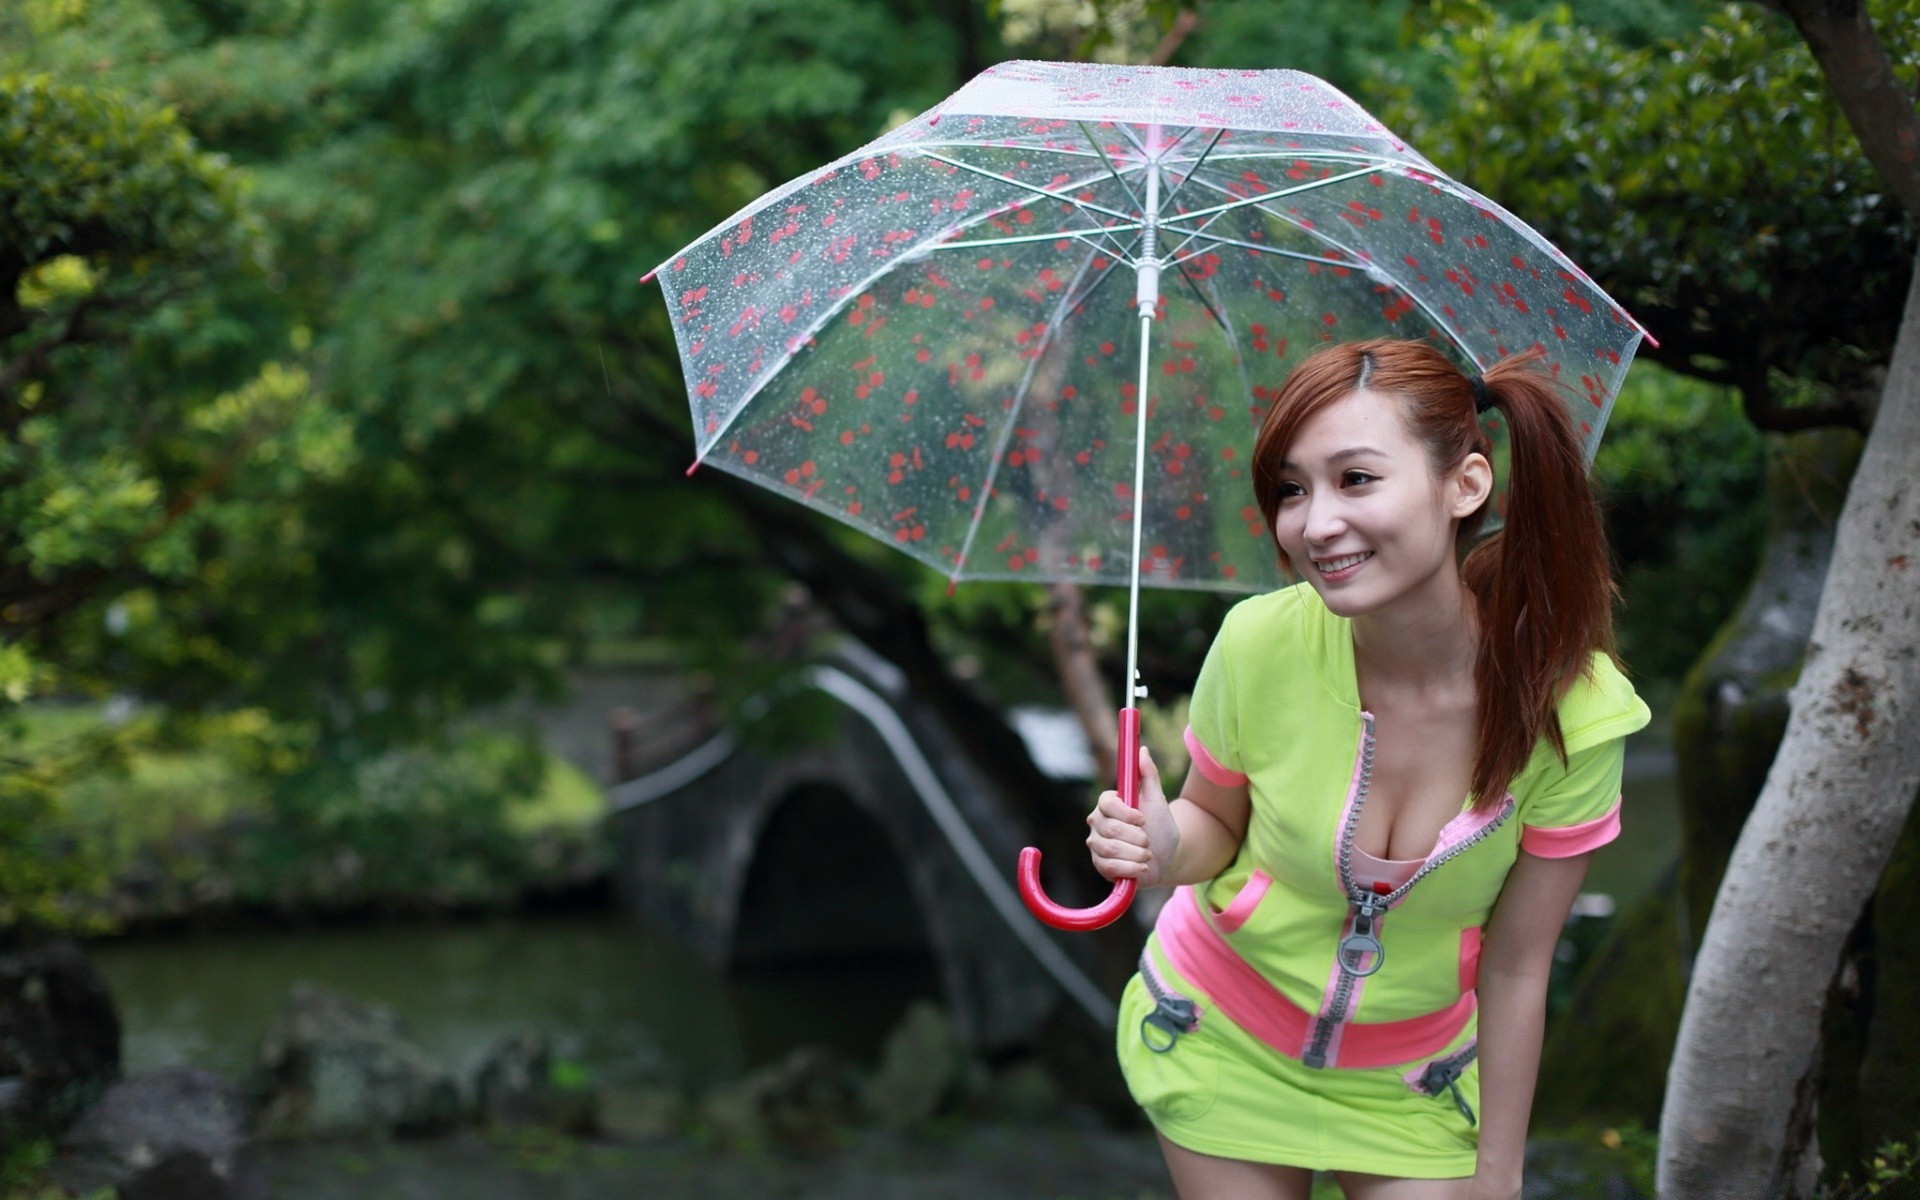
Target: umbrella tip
[[694, 467], [951, 584], [648, 277]]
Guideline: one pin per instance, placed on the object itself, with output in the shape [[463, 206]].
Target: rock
[[922, 1068], [803, 1101], [59, 1039], [334, 1066], [516, 1087], [642, 1113], [177, 1132]]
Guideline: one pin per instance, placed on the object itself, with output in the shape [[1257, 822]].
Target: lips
[[1334, 566]]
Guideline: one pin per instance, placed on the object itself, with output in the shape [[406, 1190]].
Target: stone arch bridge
[[876, 839]]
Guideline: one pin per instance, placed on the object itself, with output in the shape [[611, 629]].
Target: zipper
[[1444, 1074], [1360, 952], [1173, 1014]]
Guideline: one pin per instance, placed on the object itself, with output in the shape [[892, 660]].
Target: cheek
[[1286, 529]]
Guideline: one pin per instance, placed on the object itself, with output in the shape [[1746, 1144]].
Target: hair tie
[[1482, 399]]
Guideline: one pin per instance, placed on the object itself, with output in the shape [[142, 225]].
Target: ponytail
[[1542, 584]]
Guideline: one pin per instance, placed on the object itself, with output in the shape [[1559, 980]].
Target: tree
[[460, 200], [115, 468], [1740, 1104]]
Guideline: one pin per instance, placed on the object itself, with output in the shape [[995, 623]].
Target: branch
[[1860, 75], [1183, 25]]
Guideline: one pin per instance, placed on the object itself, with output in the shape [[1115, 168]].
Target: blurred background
[[395, 744]]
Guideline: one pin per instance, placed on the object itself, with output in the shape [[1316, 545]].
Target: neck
[[1423, 643]]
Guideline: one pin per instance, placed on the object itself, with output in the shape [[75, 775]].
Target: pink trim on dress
[[1569, 840], [1210, 766], [1235, 914], [1469, 958], [1469, 824], [1204, 959]]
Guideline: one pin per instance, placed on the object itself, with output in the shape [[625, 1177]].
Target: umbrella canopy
[[937, 339]]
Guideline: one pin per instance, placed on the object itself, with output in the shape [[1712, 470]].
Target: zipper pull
[[1172, 1016], [1460, 1101], [1446, 1074], [1360, 952]]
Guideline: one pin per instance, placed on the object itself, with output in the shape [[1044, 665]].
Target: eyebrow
[[1337, 456]]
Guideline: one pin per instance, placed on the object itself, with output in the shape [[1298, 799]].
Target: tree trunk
[[1739, 1104], [1079, 670]]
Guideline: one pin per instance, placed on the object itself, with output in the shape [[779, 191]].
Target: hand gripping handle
[[1105, 912]]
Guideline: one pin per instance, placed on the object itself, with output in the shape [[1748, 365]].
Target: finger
[[1114, 872], [1118, 830], [1118, 850], [1113, 808]]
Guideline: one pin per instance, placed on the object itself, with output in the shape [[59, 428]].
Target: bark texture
[[1738, 1113]]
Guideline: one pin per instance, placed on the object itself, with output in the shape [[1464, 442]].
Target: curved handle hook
[[1117, 901]]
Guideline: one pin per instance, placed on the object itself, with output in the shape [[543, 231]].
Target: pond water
[[629, 1003], [626, 1001]]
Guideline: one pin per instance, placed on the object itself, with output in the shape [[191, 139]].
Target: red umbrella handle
[[1105, 912]]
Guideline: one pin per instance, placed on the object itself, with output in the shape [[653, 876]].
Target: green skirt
[[1220, 1091]]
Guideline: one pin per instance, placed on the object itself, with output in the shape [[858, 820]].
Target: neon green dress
[[1285, 1013]]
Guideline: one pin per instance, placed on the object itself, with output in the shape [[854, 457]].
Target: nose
[[1325, 519]]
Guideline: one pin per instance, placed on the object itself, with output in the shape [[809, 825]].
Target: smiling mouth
[[1333, 566]]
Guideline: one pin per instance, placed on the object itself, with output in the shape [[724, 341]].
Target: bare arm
[[1162, 843], [1514, 966]]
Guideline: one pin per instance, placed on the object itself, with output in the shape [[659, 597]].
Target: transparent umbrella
[[1028, 334]]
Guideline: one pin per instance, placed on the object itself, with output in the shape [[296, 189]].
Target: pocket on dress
[[1179, 1084], [1235, 914], [1469, 958]]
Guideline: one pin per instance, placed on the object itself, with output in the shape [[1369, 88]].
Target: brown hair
[[1542, 584]]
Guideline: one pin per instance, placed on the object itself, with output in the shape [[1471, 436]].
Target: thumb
[[1149, 773]]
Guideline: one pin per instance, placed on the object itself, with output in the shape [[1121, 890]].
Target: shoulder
[[1601, 706], [1281, 616]]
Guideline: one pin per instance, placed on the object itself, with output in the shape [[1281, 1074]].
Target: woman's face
[[1362, 515]]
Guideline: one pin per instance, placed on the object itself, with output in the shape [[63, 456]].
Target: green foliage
[[422, 826], [1706, 180], [1680, 474], [51, 877], [1893, 1170]]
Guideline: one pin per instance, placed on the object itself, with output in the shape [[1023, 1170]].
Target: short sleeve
[[1580, 810], [1213, 728]]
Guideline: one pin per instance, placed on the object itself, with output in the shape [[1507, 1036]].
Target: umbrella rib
[[1277, 252], [1111, 169], [1264, 197], [1233, 341], [797, 343], [1181, 270], [1366, 264], [1013, 416], [1197, 164], [1079, 235], [1076, 303], [1036, 189]]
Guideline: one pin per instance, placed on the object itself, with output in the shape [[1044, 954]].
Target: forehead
[[1364, 418]]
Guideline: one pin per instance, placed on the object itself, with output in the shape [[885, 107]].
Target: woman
[[1353, 975]]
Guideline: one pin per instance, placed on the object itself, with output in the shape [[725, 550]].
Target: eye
[[1356, 478], [1290, 489]]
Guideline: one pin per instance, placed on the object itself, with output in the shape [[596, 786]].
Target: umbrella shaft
[[1147, 296]]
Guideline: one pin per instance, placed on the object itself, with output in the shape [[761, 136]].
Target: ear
[[1472, 486]]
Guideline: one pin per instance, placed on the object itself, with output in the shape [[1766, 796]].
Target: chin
[[1344, 602]]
